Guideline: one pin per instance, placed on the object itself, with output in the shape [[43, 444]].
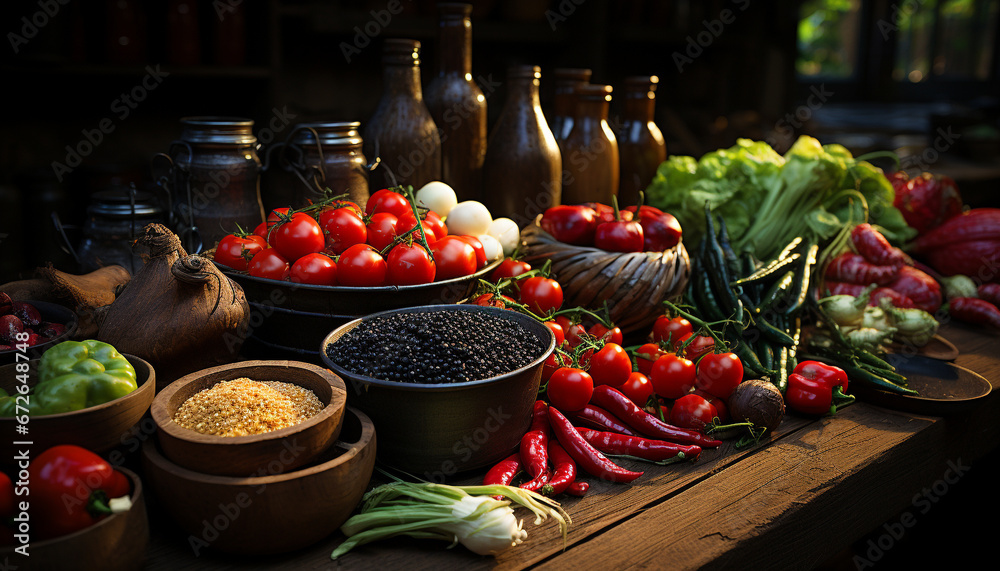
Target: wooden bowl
[[51, 312], [115, 543], [98, 428], [273, 513], [271, 452], [633, 284]]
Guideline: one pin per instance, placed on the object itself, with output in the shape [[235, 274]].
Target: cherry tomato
[[361, 265], [409, 264], [700, 345], [494, 300], [268, 263], [388, 201], [557, 331], [671, 330], [382, 230], [721, 408], [406, 222], [297, 236], [575, 334], [509, 268], [542, 295], [719, 373], [477, 245], [612, 335], [454, 258], [569, 389], [646, 355], [572, 224], [692, 411], [672, 376], [314, 269], [236, 251], [610, 365], [619, 236], [553, 363], [263, 228], [435, 223], [638, 388], [343, 227]]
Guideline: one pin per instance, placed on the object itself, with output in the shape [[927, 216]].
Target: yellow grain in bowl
[[243, 406]]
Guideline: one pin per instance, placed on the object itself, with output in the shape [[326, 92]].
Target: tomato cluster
[[634, 229], [339, 243]]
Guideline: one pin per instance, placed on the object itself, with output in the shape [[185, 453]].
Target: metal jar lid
[[116, 203], [218, 130], [329, 134]]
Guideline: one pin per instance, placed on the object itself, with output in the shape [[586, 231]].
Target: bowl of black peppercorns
[[449, 388]]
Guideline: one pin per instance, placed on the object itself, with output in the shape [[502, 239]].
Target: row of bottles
[[526, 163]]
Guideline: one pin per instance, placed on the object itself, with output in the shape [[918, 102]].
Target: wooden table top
[[792, 502]]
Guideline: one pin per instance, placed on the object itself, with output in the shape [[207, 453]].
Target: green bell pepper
[[74, 375]]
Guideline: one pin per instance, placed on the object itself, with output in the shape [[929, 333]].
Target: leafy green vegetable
[[768, 199]]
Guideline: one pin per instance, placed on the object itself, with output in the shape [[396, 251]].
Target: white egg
[[437, 196], [469, 217], [494, 251], [506, 232]]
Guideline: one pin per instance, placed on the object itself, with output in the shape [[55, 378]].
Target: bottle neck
[[588, 108], [523, 92], [639, 106], [402, 80], [455, 49]]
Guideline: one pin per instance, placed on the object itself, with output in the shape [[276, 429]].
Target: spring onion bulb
[[912, 325], [458, 514], [847, 310]]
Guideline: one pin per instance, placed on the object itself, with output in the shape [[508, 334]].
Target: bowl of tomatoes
[[308, 270]]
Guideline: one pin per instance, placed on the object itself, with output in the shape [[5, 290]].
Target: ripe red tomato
[[569, 389], [672, 376], [721, 408], [575, 334], [382, 230], [263, 228], [553, 363], [454, 258], [610, 365], [409, 264], [494, 300], [361, 265], [407, 222], [719, 373], [700, 345], [542, 295], [435, 223], [557, 331], [646, 355], [612, 335], [477, 245], [671, 330], [692, 411], [509, 268], [390, 201], [236, 251], [298, 236], [268, 263], [314, 269], [638, 388], [344, 228]]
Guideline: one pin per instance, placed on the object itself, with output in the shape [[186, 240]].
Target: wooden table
[[839, 492]]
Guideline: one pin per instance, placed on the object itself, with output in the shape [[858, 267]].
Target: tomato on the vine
[[409, 264], [569, 389], [610, 365], [575, 334], [268, 263], [700, 345], [477, 245], [381, 229], [235, 251], [509, 268], [407, 222], [646, 355], [719, 374], [343, 227], [557, 332], [672, 376], [494, 300], [612, 335], [638, 388], [361, 265], [390, 201], [297, 235], [721, 408], [454, 258], [542, 295], [692, 411], [555, 361], [432, 220], [263, 229], [314, 269], [671, 330]]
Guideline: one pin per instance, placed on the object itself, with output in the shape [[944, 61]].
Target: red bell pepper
[[660, 230], [619, 235], [833, 376], [817, 388], [572, 224], [70, 488]]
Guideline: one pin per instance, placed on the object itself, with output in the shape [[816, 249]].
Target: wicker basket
[[633, 284]]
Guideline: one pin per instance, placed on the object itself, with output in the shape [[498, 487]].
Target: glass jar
[[115, 217]]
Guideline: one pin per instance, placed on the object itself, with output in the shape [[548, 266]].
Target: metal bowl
[[435, 431]]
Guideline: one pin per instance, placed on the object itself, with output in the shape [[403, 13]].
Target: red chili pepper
[[563, 470], [588, 458], [989, 292], [535, 442], [874, 247], [578, 488], [69, 488], [537, 483], [599, 418], [615, 402], [504, 471], [645, 448], [854, 268], [975, 311]]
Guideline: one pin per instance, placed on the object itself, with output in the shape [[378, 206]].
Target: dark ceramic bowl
[[435, 431], [51, 312]]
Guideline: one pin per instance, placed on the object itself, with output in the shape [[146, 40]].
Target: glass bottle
[[565, 82], [590, 152], [640, 142], [522, 174], [457, 104], [401, 133]]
